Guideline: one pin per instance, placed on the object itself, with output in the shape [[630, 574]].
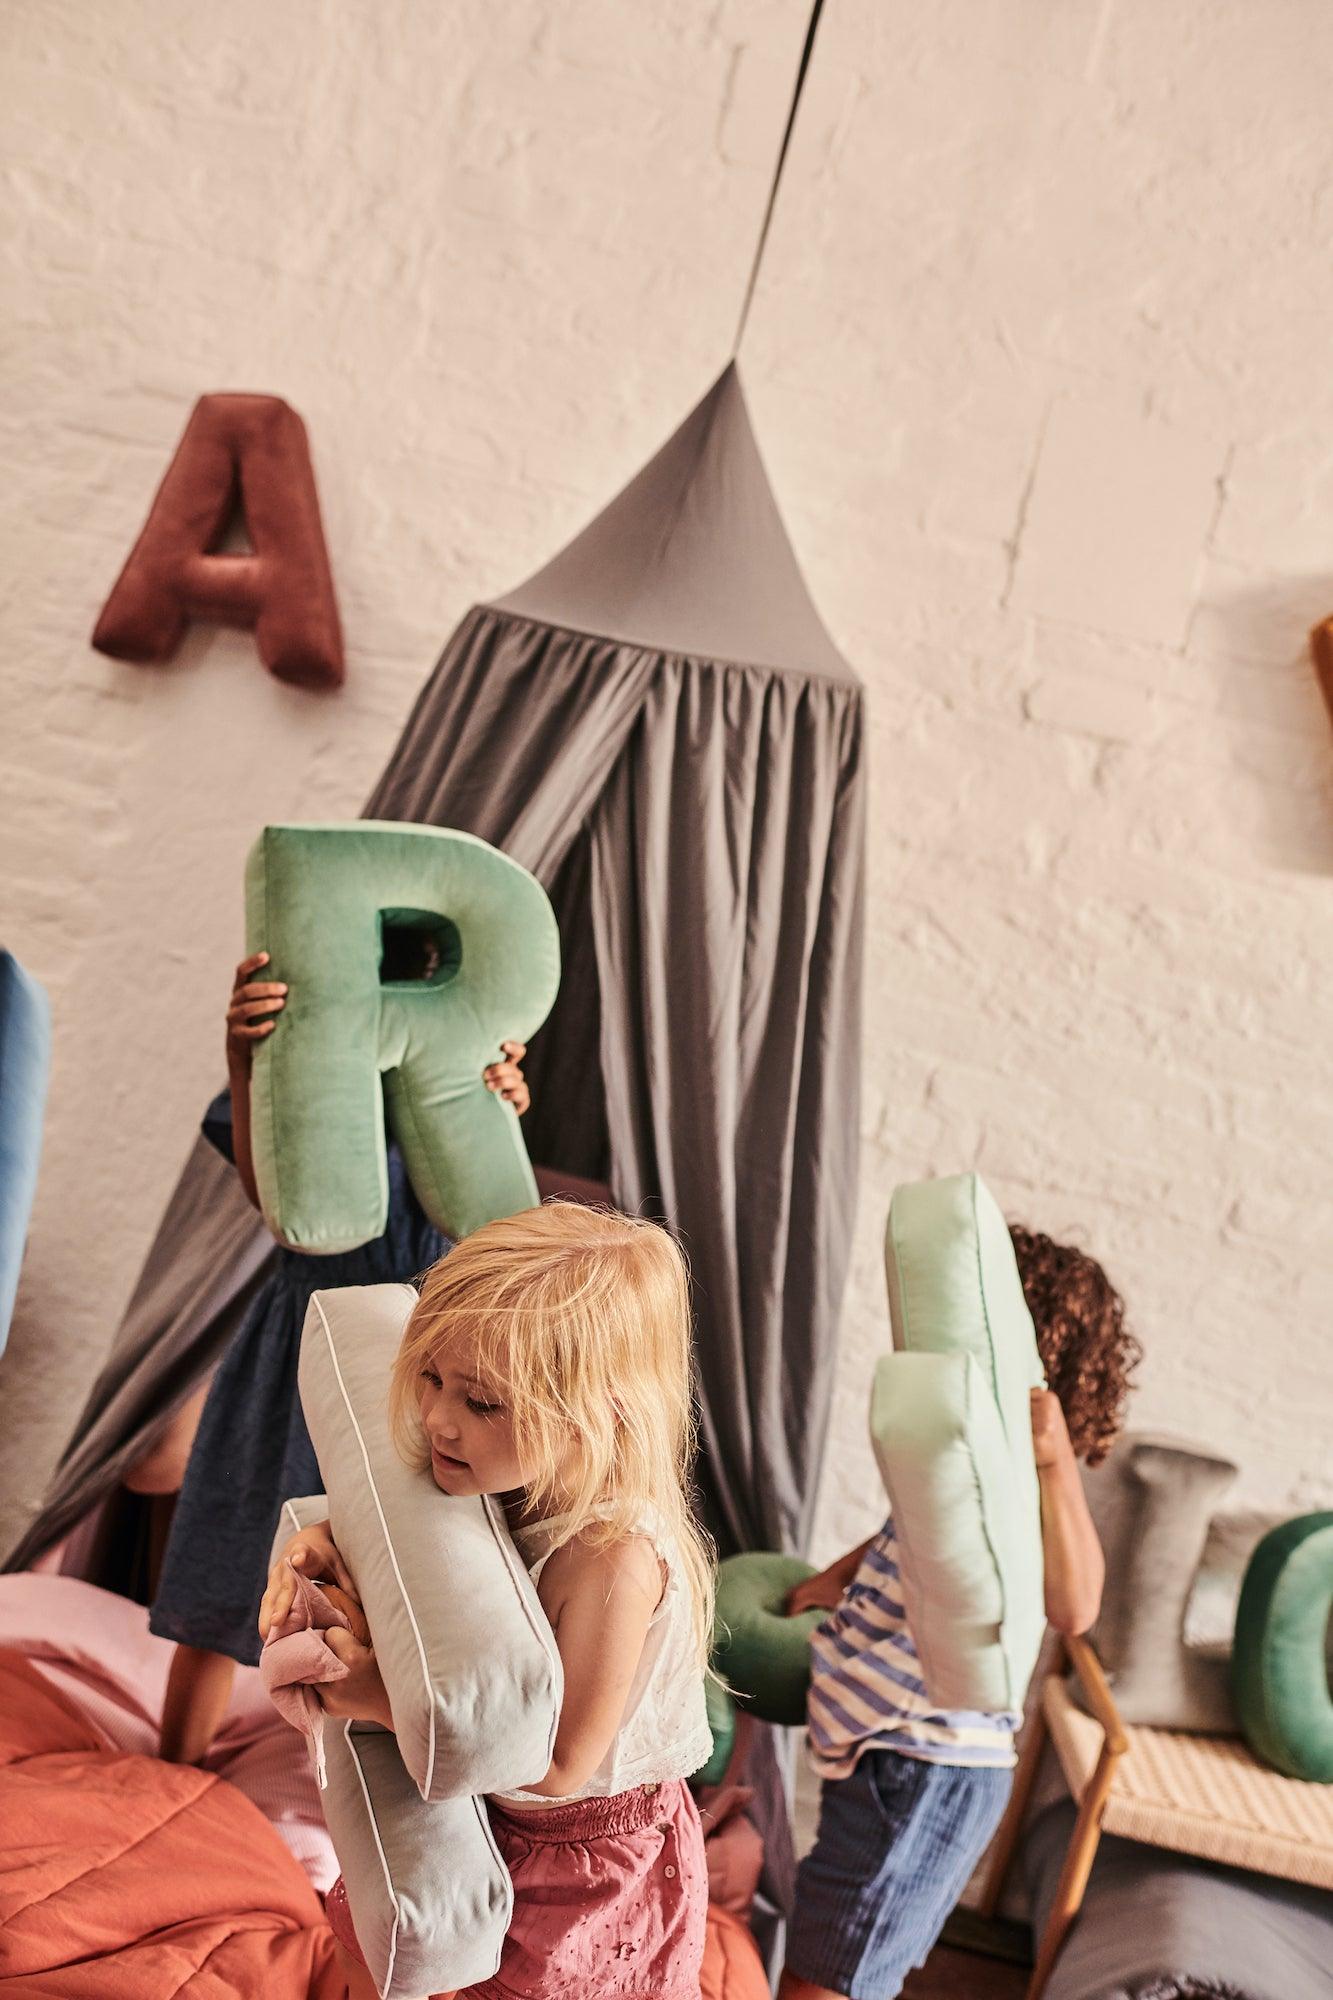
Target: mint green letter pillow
[[952, 1430], [1279, 1666], [763, 1654], [321, 901], [429, 1895], [467, 1655]]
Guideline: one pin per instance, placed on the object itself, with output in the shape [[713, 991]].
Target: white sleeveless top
[[664, 1731]]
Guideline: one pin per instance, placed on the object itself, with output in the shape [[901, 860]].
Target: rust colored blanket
[[124, 1878]]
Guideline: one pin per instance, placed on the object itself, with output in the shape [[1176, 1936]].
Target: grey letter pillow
[[429, 1895], [467, 1655], [1210, 1615], [1168, 1494]]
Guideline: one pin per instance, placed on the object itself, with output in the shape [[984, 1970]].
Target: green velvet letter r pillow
[[952, 1430], [350, 917]]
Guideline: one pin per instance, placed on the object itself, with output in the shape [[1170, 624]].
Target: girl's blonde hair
[[583, 1317]]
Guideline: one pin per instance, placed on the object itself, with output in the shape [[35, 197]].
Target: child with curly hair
[[911, 1795]]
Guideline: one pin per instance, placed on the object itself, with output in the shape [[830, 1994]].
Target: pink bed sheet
[[97, 1649]]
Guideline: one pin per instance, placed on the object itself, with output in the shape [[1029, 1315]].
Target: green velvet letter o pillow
[[344, 912], [1279, 1668], [764, 1654], [952, 1431]]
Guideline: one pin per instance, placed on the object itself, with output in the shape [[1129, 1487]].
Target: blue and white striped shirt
[[866, 1690]]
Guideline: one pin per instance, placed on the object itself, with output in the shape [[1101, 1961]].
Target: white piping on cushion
[[388, 1542], [379, 1849], [484, 1822]]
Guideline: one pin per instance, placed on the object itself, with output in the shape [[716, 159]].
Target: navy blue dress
[[252, 1450]]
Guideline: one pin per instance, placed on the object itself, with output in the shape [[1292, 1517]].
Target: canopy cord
[[806, 53]]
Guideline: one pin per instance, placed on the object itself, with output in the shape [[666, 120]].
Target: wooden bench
[[1202, 1795]]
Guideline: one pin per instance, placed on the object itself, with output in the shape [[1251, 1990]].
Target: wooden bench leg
[[1006, 1836], [1074, 1875]]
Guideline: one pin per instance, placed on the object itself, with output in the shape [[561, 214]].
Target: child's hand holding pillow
[[315, 1554], [1050, 1432], [361, 1697]]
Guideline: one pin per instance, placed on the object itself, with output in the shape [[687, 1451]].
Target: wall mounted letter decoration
[[1321, 651], [251, 452]]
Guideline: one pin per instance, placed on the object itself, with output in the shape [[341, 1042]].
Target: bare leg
[[360, 1985], [198, 1690], [792, 1987], [162, 1469]]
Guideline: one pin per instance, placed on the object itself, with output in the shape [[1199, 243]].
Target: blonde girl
[[548, 1362]]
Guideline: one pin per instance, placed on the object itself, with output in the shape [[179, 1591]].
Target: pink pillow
[[295, 1661]]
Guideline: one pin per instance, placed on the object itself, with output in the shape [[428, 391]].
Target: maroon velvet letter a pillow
[[251, 451]]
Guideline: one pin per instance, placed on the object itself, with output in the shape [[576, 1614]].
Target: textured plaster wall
[[1040, 364]]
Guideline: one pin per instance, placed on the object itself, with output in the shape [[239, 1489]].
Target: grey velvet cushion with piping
[[1154, 1502], [1210, 1615], [465, 1650], [429, 1896]]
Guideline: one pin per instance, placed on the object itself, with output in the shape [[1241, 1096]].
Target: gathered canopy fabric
[[659, 728]]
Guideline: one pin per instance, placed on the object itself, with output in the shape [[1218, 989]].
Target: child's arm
[[600, 1601], [1075, 1566], [507, 1077], [824, 1592], [252, 1014]]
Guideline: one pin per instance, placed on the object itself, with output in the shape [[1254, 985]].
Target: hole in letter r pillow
[[468, 1658], [951, 1427], [352, 917]]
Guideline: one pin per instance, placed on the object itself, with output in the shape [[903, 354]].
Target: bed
[[126, 1878]]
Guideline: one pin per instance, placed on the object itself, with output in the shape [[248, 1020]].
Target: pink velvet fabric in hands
[[295, 1660]]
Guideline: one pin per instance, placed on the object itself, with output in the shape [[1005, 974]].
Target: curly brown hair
[[1085, 1348]]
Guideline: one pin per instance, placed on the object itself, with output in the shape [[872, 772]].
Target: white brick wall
[[1040, 364]]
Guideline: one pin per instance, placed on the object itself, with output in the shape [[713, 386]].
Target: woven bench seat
[[1202, 1795]]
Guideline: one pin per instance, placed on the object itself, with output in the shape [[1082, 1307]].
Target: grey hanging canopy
[[659, 727], [691, 557]]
